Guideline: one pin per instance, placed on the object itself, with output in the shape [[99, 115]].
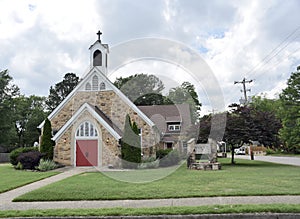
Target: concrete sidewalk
[[149, 203]]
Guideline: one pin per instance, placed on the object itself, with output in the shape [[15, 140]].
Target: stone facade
[[116, 109]]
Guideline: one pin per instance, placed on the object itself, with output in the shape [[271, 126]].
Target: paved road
[[295, 161], [7, 197]]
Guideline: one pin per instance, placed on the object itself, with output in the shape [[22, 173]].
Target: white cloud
[[40, 41]]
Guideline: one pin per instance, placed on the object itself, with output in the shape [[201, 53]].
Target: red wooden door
[[86, 152]]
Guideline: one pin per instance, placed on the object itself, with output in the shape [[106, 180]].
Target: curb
[[198, 216]]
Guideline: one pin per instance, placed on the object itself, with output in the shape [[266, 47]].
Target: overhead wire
[[287, 41]]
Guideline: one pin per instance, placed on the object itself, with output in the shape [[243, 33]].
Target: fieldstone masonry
[[116, 109]]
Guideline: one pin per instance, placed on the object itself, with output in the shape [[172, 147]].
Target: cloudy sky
[[40, 41]]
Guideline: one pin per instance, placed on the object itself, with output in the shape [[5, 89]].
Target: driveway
[[295, 161]]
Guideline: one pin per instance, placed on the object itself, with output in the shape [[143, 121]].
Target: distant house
[[173, 123], [88, 125]]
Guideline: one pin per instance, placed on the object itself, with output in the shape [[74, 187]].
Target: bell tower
[[98, 54]]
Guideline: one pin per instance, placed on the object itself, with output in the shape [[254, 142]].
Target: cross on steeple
[[99, 34]]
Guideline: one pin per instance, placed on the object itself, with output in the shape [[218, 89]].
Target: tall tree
[[61, 90], [238, 128], [47, 144], [267, 127], [266, 105], [204, 128], [290, 113], [246, 124], [152, 99], [8, 91], [186, 93], [138, 86], [268, 111], [28, 112]]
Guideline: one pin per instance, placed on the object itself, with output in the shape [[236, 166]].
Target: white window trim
[[88, 136], [174, 128]]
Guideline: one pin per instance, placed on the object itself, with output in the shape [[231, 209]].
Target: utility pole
[[244, 81], [213, 111]]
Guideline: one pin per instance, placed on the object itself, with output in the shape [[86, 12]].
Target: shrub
[[149, 163], [171, 159], [162, 153], [131, 145], [15, 154], [30, 160], [270, 151], [46, 142], [46, 165], [19, 166]]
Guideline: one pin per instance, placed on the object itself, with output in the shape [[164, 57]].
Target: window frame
[[174, 127], [85, 129]]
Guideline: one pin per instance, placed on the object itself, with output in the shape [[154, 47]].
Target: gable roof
[[97, 114], [171, 113], [112, 87], [162, 114]]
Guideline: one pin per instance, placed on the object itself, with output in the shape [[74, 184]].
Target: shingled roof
[[163, 114]]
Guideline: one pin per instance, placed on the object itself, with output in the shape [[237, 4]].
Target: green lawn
[[245, 178], [214, 209], [11, 178]]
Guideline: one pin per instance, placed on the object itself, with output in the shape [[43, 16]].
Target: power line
[[269, 56]]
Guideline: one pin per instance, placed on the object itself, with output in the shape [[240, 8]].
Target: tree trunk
[[232, 155]]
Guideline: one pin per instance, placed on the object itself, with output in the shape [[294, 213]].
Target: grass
[[11, 178], [214, 209], [244, 179]]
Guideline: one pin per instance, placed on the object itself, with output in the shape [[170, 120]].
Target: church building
[[88, 124]]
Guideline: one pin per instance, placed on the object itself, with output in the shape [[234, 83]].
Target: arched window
[[95, 82], [88, 86], [97, 58], [86, 129], [102, 86]]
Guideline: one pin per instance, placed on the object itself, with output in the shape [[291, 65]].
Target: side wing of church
[[88, 125]]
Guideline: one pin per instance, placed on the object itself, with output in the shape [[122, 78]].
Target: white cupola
[[98, 55]]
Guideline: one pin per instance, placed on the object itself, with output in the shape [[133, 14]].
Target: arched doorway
[[87, 149]]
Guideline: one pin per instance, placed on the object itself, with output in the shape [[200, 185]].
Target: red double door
[[86, 152]]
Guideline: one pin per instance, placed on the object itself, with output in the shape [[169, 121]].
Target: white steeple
[[98, 55]]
